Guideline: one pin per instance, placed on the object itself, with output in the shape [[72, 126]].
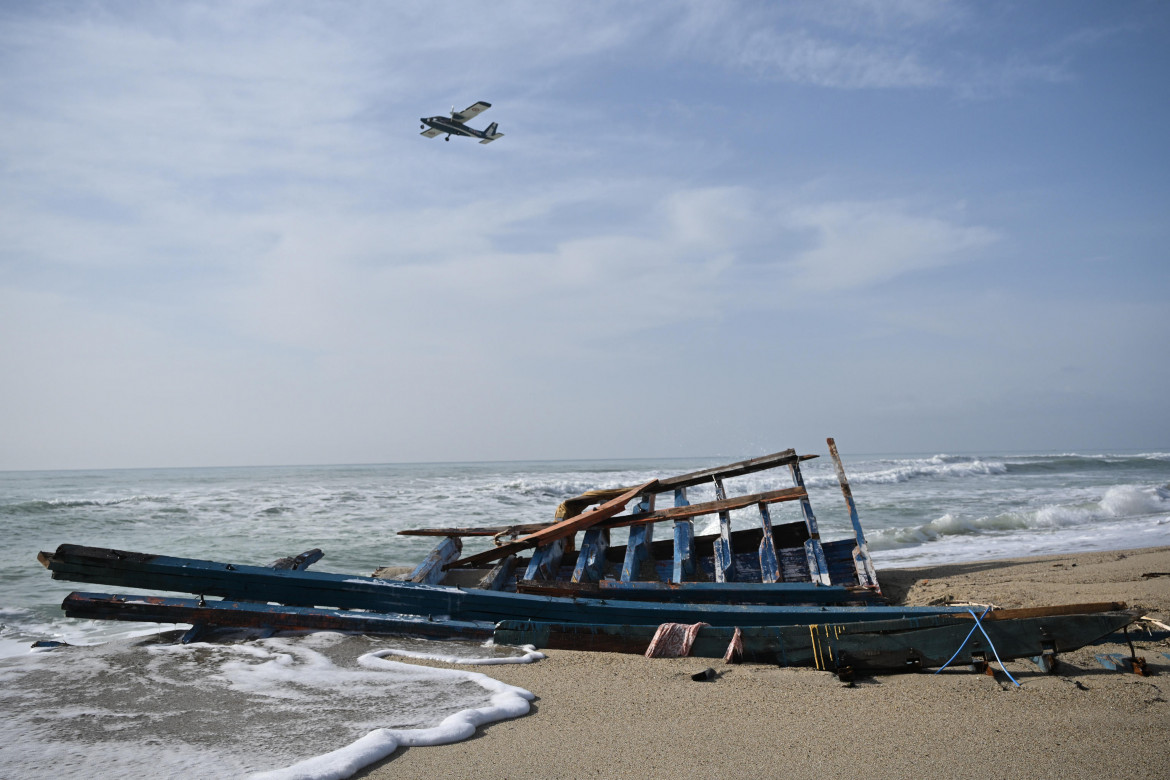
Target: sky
[[711, 228]]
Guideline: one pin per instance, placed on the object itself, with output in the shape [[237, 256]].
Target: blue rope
[[993, 650], [964, 642], [990, 644]]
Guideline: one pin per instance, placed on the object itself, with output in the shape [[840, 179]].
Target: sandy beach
[[607, 715]]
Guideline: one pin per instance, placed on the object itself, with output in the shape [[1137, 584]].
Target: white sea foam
[[164, 709], [530, 655]]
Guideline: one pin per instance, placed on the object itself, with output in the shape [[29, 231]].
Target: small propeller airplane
[[437, 125]]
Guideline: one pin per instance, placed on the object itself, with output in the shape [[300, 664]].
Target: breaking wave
[[1122, 502]]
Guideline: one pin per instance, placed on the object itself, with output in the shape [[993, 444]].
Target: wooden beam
[[498, 575], [724, 557], [738, 469], [708, 507], [496, 530], [591, 559], [684, 541], [637, 551], [769, 563], [430, 570], [546, 560], [560, 530]]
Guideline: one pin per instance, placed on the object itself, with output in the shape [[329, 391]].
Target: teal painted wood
[[724, 560], [769, 563], [234, 614], [684, 551], [888, 645], [430, 570], [818, 567], [313, 588], [591, 558], [545, 561], [684, 542], [736, 592], [637, 551]]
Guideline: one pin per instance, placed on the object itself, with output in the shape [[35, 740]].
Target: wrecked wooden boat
[[770, 584]]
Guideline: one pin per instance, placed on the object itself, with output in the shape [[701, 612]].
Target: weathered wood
[[591, 559], [299, 562], [546, 560], [769, 563], [499, 574], [125, 569], [240, 614], [866, 575], [887, 645], [818, 567], [638, 547], [740, 593], [574, 505], [484, 531], [724, 559], [559, 530], [721, 506], [637, 551], [684, 541], [430, 570]]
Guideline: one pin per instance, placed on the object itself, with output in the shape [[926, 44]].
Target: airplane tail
[[490, 133]]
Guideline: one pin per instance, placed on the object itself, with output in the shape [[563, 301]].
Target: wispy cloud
[[861, 244]]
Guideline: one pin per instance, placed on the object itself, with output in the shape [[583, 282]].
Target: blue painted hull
[[317, 589]]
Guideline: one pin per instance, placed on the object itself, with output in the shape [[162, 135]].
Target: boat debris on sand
[[776, 592]]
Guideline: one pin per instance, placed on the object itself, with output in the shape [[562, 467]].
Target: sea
[[109, 699]]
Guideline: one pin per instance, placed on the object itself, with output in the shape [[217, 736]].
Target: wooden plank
[[866, 574], [740, 593], [546, 560], [498, 530], [769, 562], [637, 551], [591, 559], [724, 559], [720, 505], [430, 570], [818, 567], [498, 575], [559, 530], [684, 541], [237, 614], [740, 468]]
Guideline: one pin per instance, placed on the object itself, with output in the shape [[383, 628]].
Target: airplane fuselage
[[451, 127]]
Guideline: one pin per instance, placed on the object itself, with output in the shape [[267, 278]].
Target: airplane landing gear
[[448, 138]]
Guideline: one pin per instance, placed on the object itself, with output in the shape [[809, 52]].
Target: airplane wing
[[471, 111], [431, 132]]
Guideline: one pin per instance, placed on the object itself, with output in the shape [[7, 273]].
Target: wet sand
[[617, 716]]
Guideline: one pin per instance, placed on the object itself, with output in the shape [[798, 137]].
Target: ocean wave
[[1120, 502], [56, 504], [906, 470]]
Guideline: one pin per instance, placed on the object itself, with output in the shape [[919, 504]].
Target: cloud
[[859, 244]]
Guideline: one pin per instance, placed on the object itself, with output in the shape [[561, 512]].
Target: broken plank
[[430, 570], [485, 531], [720, 505], [574, 505], [560, 530], [591, 559]]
